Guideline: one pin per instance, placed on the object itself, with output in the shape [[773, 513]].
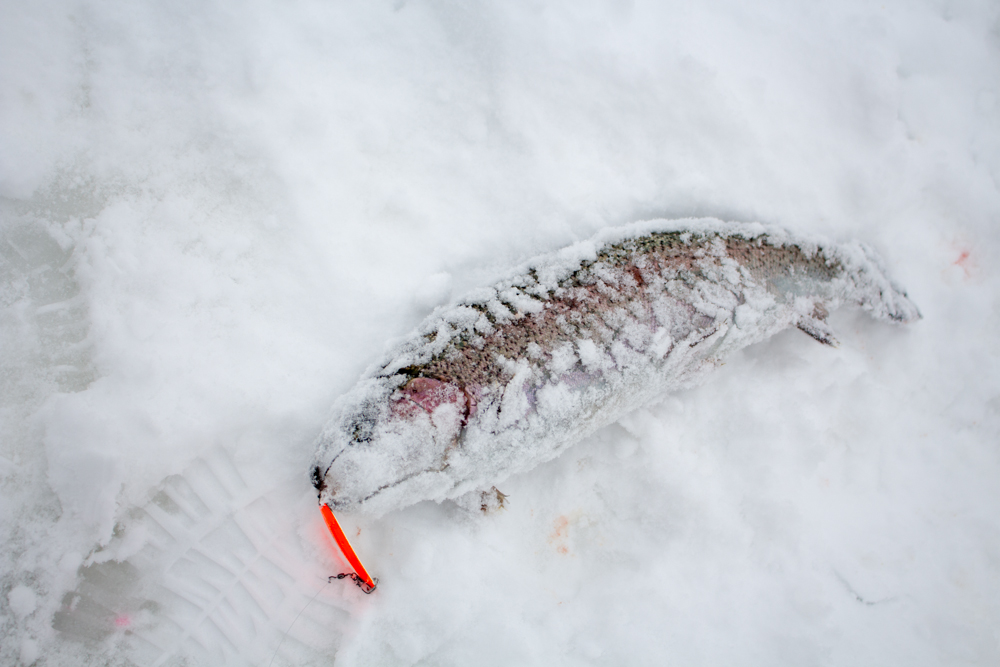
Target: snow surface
[[215, 215]]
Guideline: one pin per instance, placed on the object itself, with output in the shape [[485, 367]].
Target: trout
[[509, 376]]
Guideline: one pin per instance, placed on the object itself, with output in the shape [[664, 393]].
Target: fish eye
[[362, 429]]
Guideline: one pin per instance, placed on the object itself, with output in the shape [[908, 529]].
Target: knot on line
[[362, 584]]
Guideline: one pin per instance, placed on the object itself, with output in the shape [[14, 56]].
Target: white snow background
[[215, 214]]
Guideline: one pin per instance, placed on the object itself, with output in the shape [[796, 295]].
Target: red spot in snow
[[965, 262], [558, 536], [122, 621]]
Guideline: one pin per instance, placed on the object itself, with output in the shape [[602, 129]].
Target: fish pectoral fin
[[486, 501], [819, 330], [492, 500]]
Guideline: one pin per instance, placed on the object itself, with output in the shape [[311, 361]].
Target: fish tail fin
[[872, 288]]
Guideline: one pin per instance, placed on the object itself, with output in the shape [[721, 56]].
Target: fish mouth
[[402, 480], [328, 495]]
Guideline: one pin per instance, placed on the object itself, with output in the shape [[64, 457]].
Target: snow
[[215, 217], [22, 601]]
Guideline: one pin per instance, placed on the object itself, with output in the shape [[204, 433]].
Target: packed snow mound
[[510, 375]]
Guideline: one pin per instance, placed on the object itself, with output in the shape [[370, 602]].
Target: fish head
[[389, 442]]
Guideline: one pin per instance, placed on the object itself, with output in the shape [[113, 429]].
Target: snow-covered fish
[[510, 375]]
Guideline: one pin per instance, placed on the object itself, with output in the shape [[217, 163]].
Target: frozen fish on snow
[[510, 375]]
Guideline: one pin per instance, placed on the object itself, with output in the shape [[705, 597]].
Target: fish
[[510, 375]]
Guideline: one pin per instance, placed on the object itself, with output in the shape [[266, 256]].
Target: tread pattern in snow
[[219, 579]]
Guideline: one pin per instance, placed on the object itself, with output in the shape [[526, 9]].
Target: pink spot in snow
[[123, 621], [965, 262], [962, 258]]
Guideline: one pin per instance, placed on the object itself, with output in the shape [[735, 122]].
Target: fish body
[[510, 375]]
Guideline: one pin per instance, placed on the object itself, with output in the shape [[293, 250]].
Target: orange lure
[[362, 577]]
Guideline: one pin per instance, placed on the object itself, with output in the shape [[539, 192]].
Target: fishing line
[[362, 584], [328, 581]]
